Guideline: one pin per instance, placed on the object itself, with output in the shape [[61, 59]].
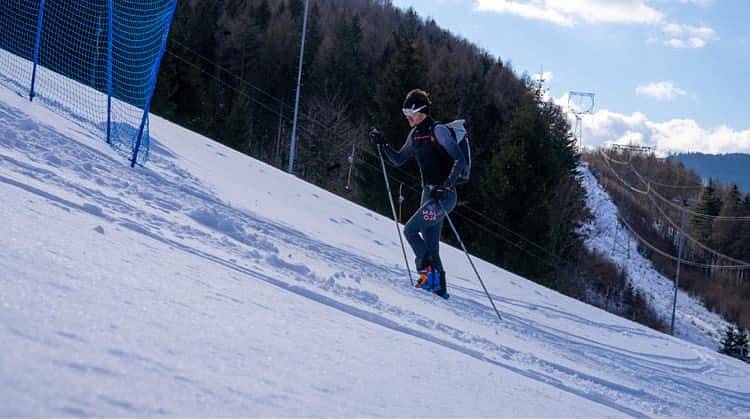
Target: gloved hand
[[377, 138], [439, 192]]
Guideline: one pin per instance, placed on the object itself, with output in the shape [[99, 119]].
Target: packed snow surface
[[208, 283], [604, 234]]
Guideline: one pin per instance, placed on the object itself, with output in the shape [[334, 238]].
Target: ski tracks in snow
[[166, 203]]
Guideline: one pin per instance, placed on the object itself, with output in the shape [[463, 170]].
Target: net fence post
[[37, 44], [152, 83], [110, 21]]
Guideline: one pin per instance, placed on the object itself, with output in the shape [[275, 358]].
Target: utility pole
[[679, 264], [299, 84]]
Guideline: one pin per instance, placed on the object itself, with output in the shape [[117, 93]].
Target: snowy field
[[208, 283], [693, 321]]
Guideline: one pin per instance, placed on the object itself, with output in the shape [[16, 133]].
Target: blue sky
[[670, 73]]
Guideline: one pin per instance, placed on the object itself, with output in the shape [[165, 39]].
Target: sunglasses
[[410, 112]]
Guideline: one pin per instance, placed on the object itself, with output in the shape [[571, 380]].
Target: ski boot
[[428, 280], [441, 290]]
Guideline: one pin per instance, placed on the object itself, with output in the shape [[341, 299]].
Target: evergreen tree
[[741, 343], [236, 130], [535, 157], [344, 67], [173, 73], [403, 71], [262, 15], [629, 298], [744, 236], [510, 180], [709, 205], [296, 8], [729, 342], [726, 235], [312, 46]]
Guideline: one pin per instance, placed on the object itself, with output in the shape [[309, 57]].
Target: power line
[[741, 264], [304, 115], [664, 185], [321, 124], [617, 175], [698, 214], [674, 258], [235, 76], [698, 243], [547, 261], [630, 162], [688, 210]]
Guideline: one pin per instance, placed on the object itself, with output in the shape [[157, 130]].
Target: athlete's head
[[416, 106]]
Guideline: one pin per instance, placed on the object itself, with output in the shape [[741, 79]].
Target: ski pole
[[400, 200], [395, 219], [471, 262], [351, 168]]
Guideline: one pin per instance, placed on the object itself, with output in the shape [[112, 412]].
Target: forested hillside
[[230, 73], [231, 67], [653, 194]]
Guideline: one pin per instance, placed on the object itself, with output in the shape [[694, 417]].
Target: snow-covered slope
[[208, 283], [693, 322]]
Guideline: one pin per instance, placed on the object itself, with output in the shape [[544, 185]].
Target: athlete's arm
[[445, 139], [398, 158]]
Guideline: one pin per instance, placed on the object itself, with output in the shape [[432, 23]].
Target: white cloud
[[663, 90], [686, 36], [527, 10], [675, 135], [572, 12]]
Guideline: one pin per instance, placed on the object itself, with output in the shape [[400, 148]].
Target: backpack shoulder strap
[[432, 129]]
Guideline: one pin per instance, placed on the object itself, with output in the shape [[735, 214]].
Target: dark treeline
[[723, 290], [231, 66]]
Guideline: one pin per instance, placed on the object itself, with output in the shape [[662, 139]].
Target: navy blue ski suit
[[440, 163]]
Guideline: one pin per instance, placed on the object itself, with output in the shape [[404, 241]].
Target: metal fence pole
[[299, 85], [37, 44], [154, 75], [110, 20]]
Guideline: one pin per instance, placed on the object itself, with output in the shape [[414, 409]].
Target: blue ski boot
[[441, 290], [429, 280]]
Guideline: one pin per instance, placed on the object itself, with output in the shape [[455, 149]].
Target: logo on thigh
[[429, 215]]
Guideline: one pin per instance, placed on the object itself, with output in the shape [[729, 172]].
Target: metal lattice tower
[[580, 104]]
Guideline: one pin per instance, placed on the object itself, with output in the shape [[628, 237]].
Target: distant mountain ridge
[[726, 168]]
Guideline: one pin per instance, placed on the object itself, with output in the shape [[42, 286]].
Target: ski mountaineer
[[440, 163]]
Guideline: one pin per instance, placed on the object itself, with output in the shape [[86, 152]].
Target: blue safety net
[[94, 61]]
